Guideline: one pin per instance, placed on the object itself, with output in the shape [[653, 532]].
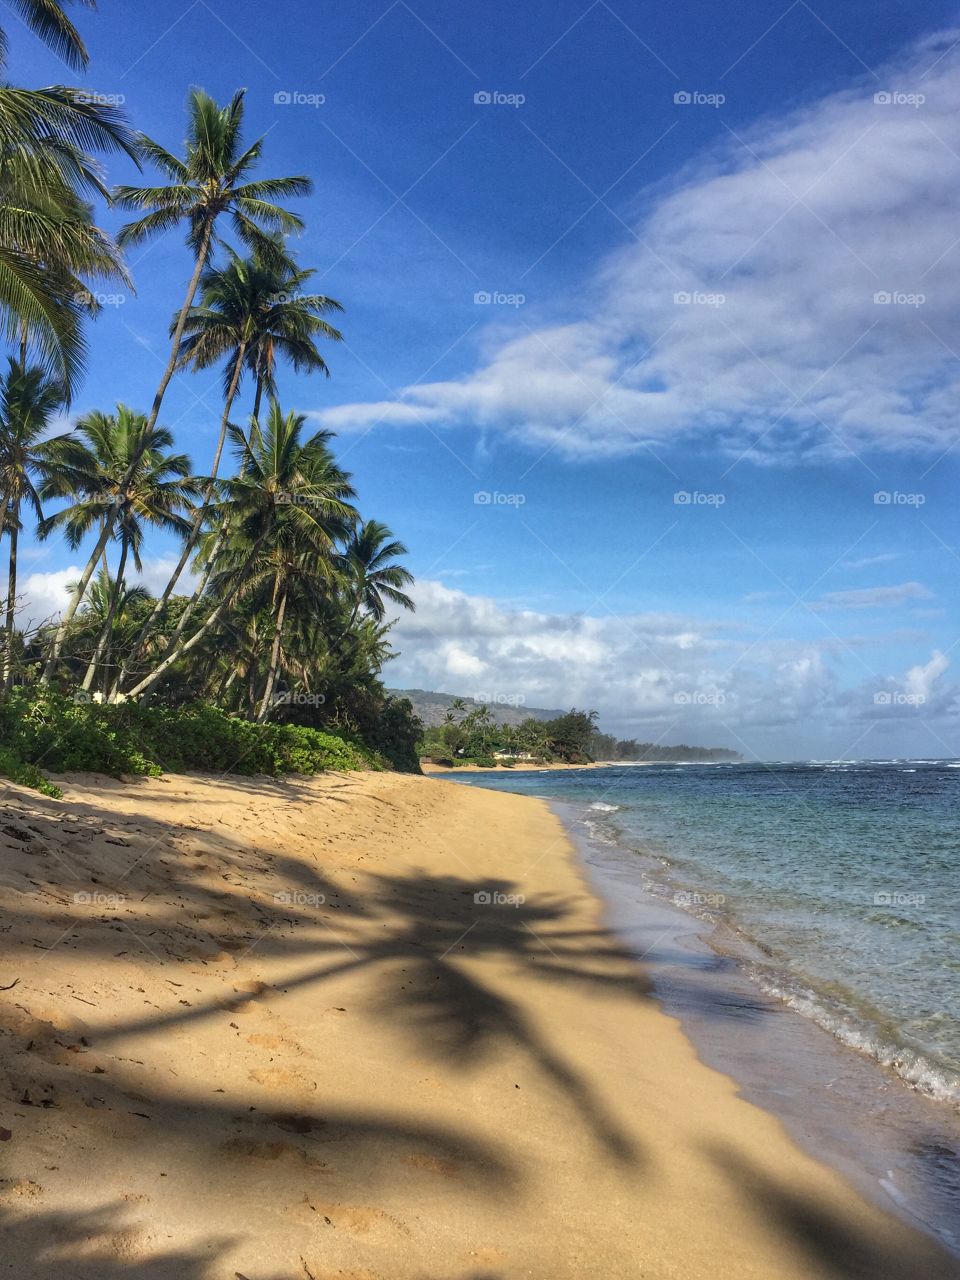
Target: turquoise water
[[842, 878]]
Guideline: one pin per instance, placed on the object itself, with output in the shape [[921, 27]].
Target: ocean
[[829, 888]]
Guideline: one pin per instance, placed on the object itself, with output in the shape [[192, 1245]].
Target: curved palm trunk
[[168, 372], [56, 647], [191, 541], [171, 365], [274, 660], [106, 631], [13, 513], [146, 686]]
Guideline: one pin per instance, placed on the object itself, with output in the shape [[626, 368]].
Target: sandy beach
[[372, 1027]]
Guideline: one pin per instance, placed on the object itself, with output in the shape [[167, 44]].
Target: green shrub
[[484, 762], [52, 729], [27, 775]]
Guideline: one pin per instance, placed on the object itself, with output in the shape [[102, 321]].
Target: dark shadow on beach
[[835, 1248]]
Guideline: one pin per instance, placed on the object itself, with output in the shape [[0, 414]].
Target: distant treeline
[[470, 734], [604, 746]]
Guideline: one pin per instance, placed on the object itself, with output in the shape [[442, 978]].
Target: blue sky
[[783, 608]]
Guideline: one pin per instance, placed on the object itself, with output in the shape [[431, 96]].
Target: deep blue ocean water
[[842, 880]]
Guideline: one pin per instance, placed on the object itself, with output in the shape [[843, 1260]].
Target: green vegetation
[[62, 734], [270, 660], [474, 737], [603, 746]]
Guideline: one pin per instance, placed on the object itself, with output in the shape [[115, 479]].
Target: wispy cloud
[[867, 561], [874, 597], [792, 294]]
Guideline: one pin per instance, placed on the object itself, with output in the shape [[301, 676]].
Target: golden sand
[[266, 1030]]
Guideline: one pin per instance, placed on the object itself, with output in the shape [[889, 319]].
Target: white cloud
[[867, 561], [873, 597], [798, 223], [684, 678], [42, 597]]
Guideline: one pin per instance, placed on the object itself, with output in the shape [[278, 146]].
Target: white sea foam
[[912, 1067]]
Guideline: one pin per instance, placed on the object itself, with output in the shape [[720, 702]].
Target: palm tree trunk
[[13, 514], [171, 366], [149, 683], [258, 397], [107, 629], [61, 633], [191, 541], [168, 372], [274, 661]]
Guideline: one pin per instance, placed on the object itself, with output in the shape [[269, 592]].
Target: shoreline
[[842, 1106], [296, 984]]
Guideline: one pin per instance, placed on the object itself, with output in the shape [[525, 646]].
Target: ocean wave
[[604, 808], [916, 1070]]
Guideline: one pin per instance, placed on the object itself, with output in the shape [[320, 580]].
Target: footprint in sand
[[279, 1078]]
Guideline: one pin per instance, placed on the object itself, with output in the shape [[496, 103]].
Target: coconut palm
[[46, 19], [51, 253], [49, 248], [250, 311], [210, 182], [288, 493], [103, 592], [28, 402], [118, 474], [368, 565]]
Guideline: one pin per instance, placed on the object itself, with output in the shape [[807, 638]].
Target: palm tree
[[49, 246], [252, 311], [51, 253], [288, 492], [367, 564], [99, 598], [28, 401], [210, 182], [119, 473], [46, 19], [249, 312]]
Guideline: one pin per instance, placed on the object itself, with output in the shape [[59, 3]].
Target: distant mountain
[[432, 707]]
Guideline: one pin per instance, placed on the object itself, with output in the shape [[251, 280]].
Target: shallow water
[[844, 877], [828, 890]]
